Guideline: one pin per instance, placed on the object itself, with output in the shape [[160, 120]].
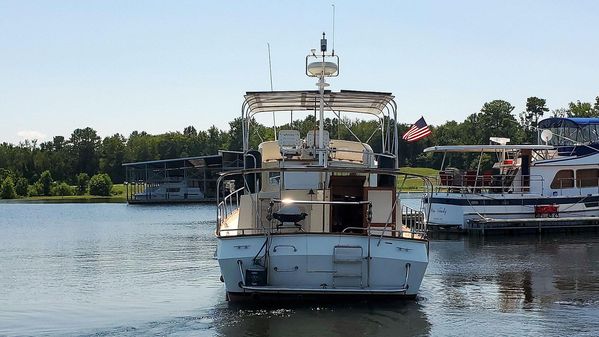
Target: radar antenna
[[327, 66]]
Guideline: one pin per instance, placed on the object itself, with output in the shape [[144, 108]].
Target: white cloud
[[31, 135]]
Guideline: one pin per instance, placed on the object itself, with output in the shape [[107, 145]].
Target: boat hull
[[324, 264], [447, 210]]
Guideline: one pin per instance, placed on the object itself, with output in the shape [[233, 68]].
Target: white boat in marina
[[318, 216], [552, 184]]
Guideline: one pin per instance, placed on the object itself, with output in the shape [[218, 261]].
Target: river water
[[118, 270]]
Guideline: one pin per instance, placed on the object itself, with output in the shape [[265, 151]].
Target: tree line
[[68, 161]]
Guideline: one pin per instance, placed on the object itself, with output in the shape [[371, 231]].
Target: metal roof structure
[[486, 148], [374, 103], [200, 161]]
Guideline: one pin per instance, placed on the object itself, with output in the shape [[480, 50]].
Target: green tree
[[45, 183], [190, 131], [36, 189], [529, 119], [580, 109], [100, 184], [235, 135], [496, 120], [82, 183], [7, 190], [62, 189], [22, 187], [85, 149], [6, 173], [113, 152], [141, 147], [535, 108], [560, 112]]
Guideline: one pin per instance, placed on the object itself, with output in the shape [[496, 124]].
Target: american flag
[[417, 131]]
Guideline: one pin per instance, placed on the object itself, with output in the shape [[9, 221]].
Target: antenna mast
[[274, 122], [322, 68]]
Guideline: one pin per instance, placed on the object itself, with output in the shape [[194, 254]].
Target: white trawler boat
[[528, 185], [318, 216]]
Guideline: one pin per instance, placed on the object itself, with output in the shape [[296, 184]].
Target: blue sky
[[158, 66]]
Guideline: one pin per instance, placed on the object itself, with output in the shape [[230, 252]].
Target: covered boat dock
[[178, 180]]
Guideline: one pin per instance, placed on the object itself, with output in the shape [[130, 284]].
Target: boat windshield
[[571, 131]]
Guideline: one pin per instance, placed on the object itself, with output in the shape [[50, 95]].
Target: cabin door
[[347, 188]]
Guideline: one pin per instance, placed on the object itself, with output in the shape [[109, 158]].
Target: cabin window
[[587, 178], [563, 179], [172, 189]]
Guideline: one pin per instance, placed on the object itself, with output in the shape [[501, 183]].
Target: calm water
[[117, 270]]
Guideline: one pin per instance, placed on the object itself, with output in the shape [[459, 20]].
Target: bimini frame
[[378, 104]]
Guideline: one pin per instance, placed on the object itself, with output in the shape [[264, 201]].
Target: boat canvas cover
[[573, 122], [374, 103]]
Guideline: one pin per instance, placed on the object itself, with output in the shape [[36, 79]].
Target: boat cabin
[[310, 182]]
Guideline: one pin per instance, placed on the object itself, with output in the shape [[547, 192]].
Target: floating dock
[[532, 224]]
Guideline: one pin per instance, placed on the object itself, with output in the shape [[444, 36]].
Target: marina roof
[[556, 122], [374, 103], [199, 161], [486, 148], [190, 161]]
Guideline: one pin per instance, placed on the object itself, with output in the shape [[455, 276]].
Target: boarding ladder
[[347, 266]]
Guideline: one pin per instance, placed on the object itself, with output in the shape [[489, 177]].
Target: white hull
[[460, 211], [325, 264]]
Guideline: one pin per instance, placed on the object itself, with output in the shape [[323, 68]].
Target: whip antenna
[[269, 66], [333, 44], [274, 122]]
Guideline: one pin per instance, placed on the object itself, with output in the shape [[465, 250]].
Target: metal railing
[[227, 206], [498, 183], [413, 219], [231, 201]]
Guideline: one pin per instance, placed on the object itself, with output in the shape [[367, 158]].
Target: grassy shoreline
[[415, 184], [118, 196], [66, 199]]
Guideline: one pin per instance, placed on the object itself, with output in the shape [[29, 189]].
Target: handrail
[[240, 264], [225, 206], [414, 219], [408, 267], [492, 183]]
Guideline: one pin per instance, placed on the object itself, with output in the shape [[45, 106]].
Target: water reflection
[[365, 318], [525, 280]]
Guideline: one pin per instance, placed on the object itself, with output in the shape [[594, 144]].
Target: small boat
[[554, 183], [313, 216]]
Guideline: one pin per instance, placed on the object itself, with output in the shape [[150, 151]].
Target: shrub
[[82, 183], [45, 183], [22, 187], [7, 190], [100, 184], [62, 189], [34, 190]]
